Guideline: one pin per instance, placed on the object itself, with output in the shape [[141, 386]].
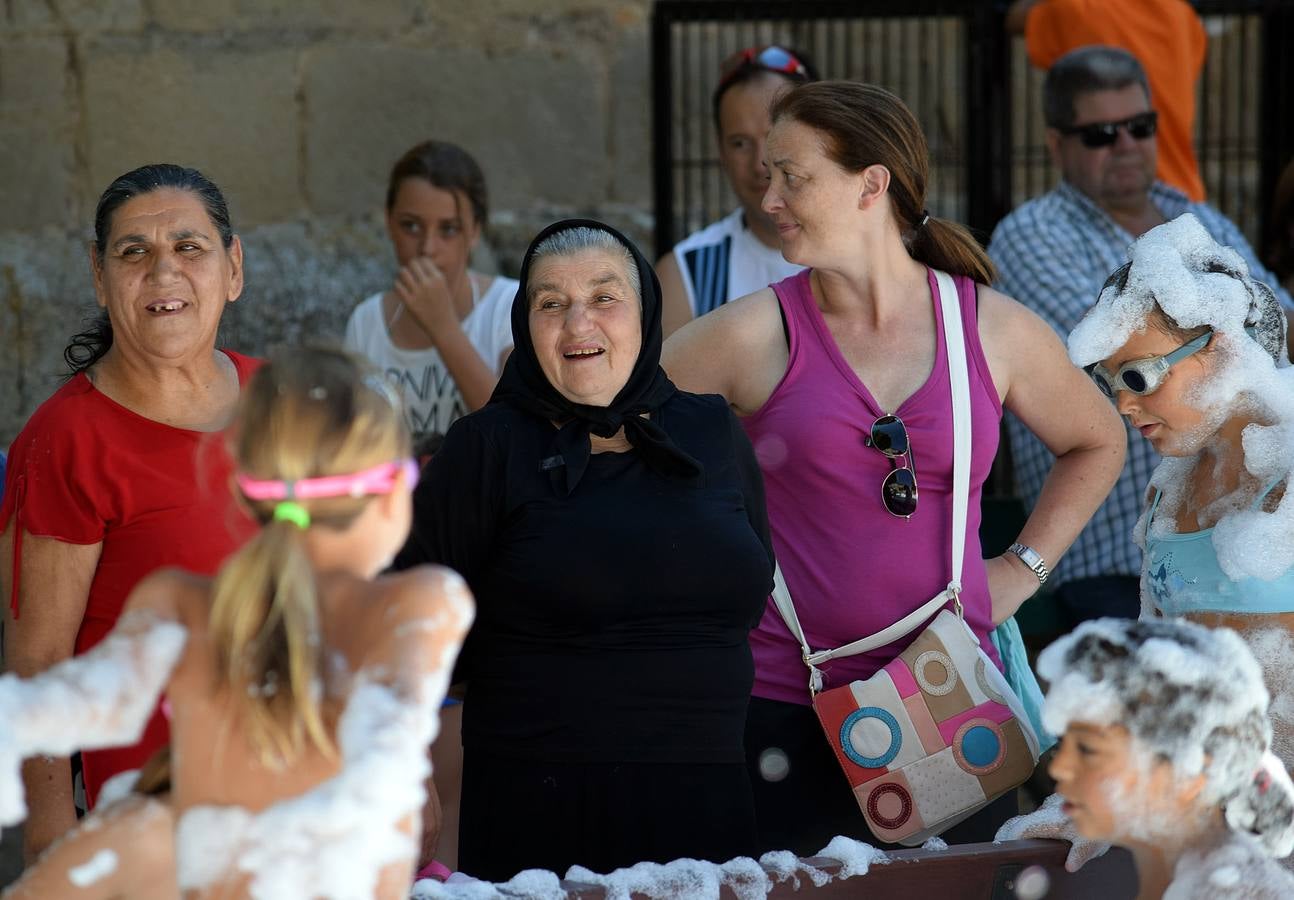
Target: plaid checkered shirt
[[1053, 254]]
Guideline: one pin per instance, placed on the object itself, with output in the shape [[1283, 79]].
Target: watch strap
[[1033, 559]]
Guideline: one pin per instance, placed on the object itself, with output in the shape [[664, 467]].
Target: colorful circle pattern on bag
[[981, 676], [979, 746], [889, 805], [935, 672], [870, 736]]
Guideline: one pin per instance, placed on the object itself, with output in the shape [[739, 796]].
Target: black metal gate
[[974, 92]]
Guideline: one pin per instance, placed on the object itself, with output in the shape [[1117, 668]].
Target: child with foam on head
[[1165, 751], [302, 688], [1191, 349]]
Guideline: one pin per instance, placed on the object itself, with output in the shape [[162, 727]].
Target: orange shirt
[[1168, 38]]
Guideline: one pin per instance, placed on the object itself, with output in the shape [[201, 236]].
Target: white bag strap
[[959, 379]]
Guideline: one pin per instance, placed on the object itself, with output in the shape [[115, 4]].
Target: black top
[[612, 622]]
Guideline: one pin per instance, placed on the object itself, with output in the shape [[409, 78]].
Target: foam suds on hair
[[1273, 648], [1167, 269], [1193, 698], [1188, 692], [1164, 262]]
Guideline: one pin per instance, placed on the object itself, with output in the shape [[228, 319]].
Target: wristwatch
[[1033, 559]]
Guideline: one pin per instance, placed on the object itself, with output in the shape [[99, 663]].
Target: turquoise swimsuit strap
[[1263, 496], [1154, 503]]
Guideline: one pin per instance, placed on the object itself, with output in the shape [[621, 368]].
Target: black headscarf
[[525, 385]]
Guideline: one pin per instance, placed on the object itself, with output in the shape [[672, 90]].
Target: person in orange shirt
[[1166, 36]]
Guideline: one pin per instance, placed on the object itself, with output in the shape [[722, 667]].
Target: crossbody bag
[[937, 733]]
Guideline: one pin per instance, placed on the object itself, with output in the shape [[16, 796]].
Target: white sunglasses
[[1144, 376]]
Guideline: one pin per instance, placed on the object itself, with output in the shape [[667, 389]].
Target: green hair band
[[291, 511]]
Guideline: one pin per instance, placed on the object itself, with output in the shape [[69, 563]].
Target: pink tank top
[[851, 567]]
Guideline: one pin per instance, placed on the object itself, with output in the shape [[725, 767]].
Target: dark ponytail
[[944, 244], [88, 347], [865, 125]]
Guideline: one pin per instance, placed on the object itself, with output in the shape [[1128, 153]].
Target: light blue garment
[[1015, 666], [1183, 576]]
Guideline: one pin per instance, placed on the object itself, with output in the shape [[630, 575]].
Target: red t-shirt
[[86, 470]]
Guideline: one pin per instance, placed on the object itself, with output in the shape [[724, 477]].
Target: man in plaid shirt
[[1053, 255]]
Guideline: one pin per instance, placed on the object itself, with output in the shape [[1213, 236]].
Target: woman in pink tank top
[[845, 358]]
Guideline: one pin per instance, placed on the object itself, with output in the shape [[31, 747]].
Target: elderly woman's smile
[[586, 324]]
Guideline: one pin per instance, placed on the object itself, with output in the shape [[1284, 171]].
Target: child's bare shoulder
[[430, 602], [424, 589]]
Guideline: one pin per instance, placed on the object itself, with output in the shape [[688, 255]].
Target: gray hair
[[571, 241], [1082, 71]]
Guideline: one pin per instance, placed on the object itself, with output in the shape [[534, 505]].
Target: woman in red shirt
[[122, 470]]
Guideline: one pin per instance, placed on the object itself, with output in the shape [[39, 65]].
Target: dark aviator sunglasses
[[1103, 134], [889, 435]]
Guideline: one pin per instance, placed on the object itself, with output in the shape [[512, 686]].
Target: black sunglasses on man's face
[[1104, 134]]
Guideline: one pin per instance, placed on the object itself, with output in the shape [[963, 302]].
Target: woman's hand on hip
[[423, 290], [1010, 583]]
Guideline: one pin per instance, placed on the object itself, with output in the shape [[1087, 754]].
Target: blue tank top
[[1182, 575]]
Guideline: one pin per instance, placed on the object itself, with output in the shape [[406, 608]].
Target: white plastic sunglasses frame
[[1152, 369]]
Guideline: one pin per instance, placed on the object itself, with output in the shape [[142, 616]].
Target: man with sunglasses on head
[[740, 253], [1054, 253]]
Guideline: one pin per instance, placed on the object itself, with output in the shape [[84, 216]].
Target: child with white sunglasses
[[1192, 350]]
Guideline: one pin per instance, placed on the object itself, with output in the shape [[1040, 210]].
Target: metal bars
[[973, 91]]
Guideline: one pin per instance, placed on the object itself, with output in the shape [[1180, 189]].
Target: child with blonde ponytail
[[302, 688]]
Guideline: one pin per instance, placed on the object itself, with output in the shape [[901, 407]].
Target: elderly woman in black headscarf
[[613, 531]]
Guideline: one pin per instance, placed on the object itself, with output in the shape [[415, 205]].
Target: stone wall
[[297, 108]]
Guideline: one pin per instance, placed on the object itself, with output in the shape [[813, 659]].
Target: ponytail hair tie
[[925, 218], [291, 511]]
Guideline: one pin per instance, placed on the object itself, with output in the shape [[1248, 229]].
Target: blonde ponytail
[[265, 626], [308, 414]]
